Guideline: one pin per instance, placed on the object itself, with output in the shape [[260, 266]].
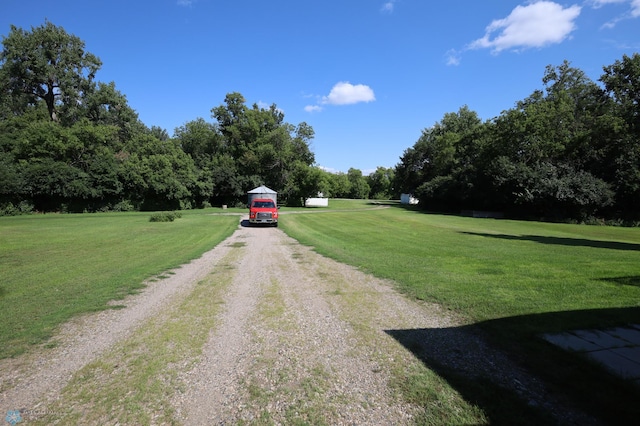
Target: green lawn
[[482, 268], [514, 280], [53, 267]]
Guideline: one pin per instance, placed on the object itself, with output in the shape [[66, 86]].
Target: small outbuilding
[[262, 192], [316, 202], [408, 199]]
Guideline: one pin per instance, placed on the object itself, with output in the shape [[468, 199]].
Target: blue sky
[[367, 75]]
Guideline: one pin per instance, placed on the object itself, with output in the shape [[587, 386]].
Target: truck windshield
[[264, 204]]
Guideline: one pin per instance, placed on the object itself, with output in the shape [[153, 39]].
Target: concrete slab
[[617, 349], [601, 338], [616, 363], [631, 335], [631, 353], [571, 342]]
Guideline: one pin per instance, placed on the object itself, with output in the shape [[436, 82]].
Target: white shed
[[316, 202], [408, 199]]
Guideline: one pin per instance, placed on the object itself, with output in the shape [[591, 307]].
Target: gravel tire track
[[299, 362]]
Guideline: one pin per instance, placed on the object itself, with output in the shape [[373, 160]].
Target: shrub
[[165, 216], [9, 209], [123, 206]]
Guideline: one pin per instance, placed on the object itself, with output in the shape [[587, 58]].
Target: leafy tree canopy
[[69, 142], [46, 64], [569, 151]]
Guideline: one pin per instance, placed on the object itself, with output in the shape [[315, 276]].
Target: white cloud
[[267, 106], [329, 169], [634, 10], [186, 2], [345, 93], [599, 3], [368, 172], [634, 4], [453, 57], [534, 25], [388, 6]]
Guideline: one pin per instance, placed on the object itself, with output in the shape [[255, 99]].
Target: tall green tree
[[359, 188], [381, 184], [620, 133], [200, 139], [105, 105], [157, 174], [438, 169], [204, 144], [306, 182], [339, 185], [46, 64], [63, 130], [263, 147], [542, 149]]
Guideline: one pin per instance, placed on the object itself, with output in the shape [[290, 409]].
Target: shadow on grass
[[246, 224], [459, 356], [574, 242], [384, 203], [632, 280]]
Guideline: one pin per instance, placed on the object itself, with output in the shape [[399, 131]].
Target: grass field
[[514, 280], [483, 268], [53, 267]]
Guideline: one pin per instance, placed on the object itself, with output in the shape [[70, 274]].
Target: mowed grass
[[484, 269], [514, 280], [54, 267]]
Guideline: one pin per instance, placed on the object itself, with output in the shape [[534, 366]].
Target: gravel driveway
[[294, 337]]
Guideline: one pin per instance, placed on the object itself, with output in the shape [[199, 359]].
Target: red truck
[[263, 211]]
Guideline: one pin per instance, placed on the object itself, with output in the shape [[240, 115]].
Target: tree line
[[568, 151], [71, 143]]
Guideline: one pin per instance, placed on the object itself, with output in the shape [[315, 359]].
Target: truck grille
[[265, 215]]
